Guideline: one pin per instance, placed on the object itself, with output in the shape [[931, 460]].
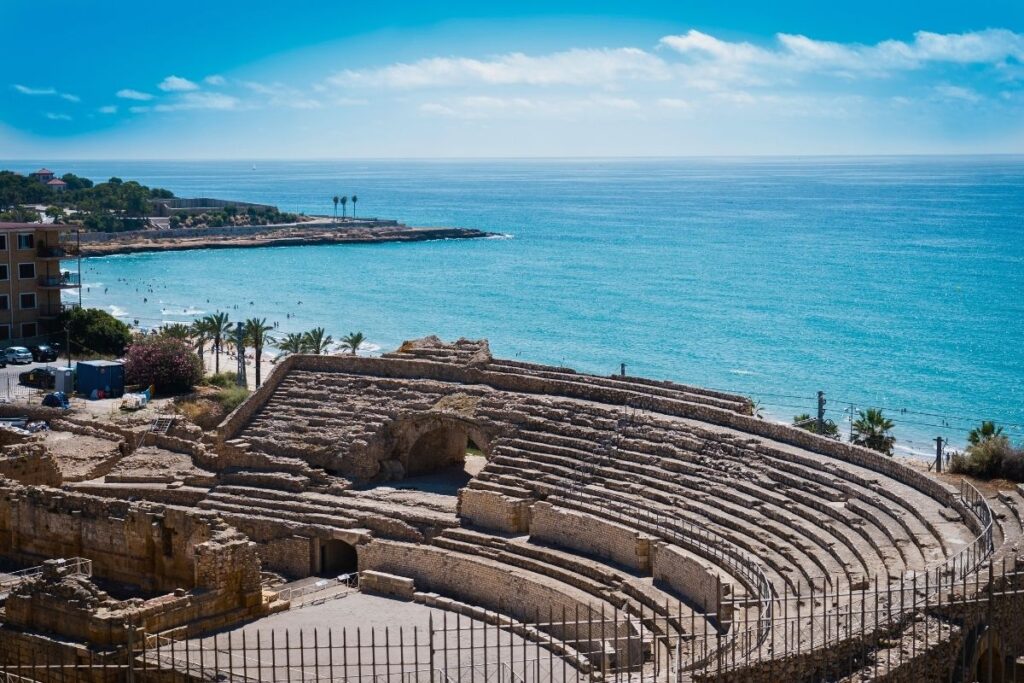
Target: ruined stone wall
[[494, 511], [290, 556], [29, 464], [591, 535], [689, 578], [476, 580], [151, 546]]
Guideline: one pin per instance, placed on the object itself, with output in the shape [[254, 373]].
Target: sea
[[892, 282]]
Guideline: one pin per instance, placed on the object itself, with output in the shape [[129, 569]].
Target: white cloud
[[487, 106], [129, 94], [571, 67], [139, 109], [26, 90], [215, 80], [674, 103], [177, 84], [57, 117], [280, 95], [108, 109], [200, 100], [798, 53], [957, 92]]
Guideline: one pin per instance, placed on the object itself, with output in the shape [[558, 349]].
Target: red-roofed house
[[57, 184], [43, 175]]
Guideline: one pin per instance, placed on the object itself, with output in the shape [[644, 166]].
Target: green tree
[[292, 343], [344, 201], [354, 200], [177, 331], [317, 341], [201, 332], [872, 429], [805, 421], [94, 331], [55, 212], [352, 341], [336, 200], [257, 332], [219, 329], [983, 432]]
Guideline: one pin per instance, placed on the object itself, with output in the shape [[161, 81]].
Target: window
[[26, 271], [3, 271], [26, 241], [28, 330], [28, 300], [5, 332], [5, 302], [3, 242]]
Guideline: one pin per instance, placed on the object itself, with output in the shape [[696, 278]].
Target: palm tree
[[352, 342], [200, 332], [354, 200], [872, 429], [985, 431], [219, 329], [293, 343], [317, 341], [257, 333], [176, 331], [344, 201], [336, 207]]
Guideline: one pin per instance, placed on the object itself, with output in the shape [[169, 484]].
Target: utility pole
[[241, 379], [67, 338], [938, 453], [821, 412]]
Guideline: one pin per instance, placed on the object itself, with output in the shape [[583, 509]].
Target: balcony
[[53, 312], [56, 253], [62, 281]]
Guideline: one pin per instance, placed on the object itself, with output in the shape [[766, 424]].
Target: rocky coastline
[[361, 232]]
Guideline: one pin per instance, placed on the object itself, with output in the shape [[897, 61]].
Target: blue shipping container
[[100, 376]]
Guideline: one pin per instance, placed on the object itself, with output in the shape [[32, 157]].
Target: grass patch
[[224, 380], [232, 397]]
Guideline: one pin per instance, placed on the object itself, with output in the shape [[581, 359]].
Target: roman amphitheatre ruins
[[439, 514]]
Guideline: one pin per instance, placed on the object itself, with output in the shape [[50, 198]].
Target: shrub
[[94, 331], [232, 397], [992, 458], [221, 379], [167, 363]]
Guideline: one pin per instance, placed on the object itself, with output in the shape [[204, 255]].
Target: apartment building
[[32, 280]]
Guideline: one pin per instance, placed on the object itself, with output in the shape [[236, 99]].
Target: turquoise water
[[883, 281]]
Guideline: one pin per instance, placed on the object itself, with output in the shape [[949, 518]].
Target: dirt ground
[[80, 457]]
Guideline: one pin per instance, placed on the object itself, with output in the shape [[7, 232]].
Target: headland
[[316, 231]]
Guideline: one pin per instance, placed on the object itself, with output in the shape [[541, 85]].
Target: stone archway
[[429, 442], [989, 664], [337, 557]]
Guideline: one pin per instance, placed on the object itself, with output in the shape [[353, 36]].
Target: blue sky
[[305, 79]]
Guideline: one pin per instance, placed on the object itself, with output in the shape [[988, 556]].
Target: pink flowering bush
[[167, 363]]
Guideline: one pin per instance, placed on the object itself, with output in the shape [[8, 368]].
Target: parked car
[[18, 354], [3, 360], [41, 378], [44, 353], [57, 399]]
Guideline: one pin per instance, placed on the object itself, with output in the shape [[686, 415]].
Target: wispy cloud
[[130, 94], [957, 92], [215, 80], [200, 100], [57, 117], [281, 95], [45, 92], [108, 109], [177, 84], [571, 67]]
